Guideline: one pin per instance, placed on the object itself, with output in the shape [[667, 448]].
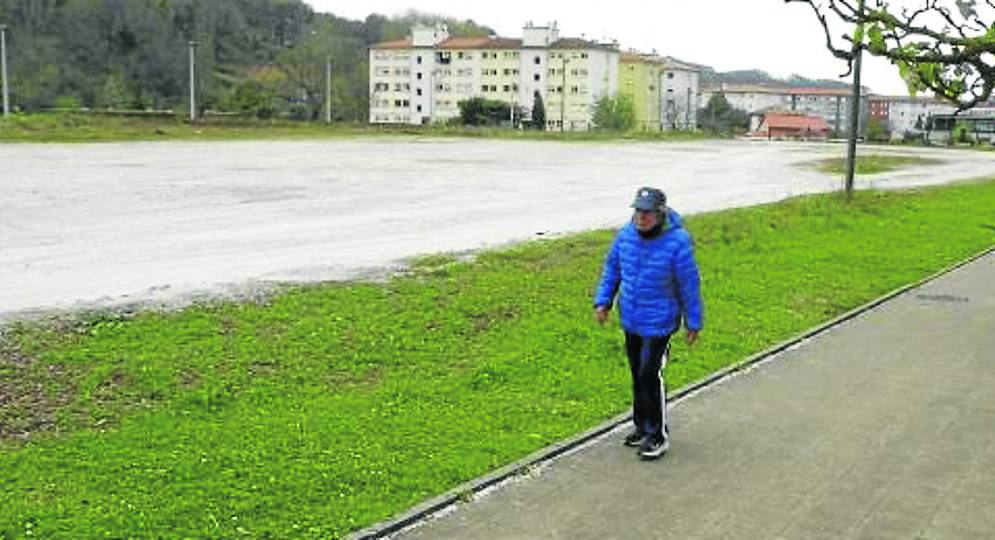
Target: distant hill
[[259, 57], [710, 77]]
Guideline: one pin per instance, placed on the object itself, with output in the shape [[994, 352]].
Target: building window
[[483, 88], [535, 77], [419, 91], [583, 55], [419, 76], [419, 108], [538, 60], [419, 59]]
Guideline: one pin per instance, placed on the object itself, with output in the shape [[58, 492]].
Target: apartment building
[[680, 88], [831, 104], [907, 115], [421, 79], [639, 78]]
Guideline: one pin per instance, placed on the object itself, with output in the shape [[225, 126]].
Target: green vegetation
[[615, 113], [718, 116], [326, 408], [257, 57], [872, 163], [538, 112], [79, 128], [479, 111]]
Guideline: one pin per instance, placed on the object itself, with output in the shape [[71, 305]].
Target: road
[[164, 223]]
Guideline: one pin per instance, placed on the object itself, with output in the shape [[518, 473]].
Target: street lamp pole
[[563, 92], [193, 81], [851, 146], [3, 69], [328, 89]]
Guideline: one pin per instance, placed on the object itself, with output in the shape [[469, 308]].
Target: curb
[[431, 507]]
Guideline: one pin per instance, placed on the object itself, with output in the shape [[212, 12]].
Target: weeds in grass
[[329, 407]]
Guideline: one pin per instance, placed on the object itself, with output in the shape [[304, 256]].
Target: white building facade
[[422, 79], [678, 96], [908, 116], [831, 104]]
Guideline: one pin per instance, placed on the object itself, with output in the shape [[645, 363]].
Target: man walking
[[651, 265]]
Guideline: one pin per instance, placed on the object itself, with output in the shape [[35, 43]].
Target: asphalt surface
[[880, 428], [112, 224]]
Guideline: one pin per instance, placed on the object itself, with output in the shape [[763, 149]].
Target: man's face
[[646, 219]]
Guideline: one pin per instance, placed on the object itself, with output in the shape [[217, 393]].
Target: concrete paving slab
[[112, 224], [881, 427]]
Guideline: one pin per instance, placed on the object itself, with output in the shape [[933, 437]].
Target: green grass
[[872, 163], [329, 407], [80, 128]]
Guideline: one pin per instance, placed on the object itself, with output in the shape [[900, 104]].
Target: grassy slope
[[69, 128], [330, 407]]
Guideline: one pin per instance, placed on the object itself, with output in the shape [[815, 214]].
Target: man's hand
[[600, 315], [692, 336]]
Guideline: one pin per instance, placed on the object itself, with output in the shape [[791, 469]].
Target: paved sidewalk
[[883, 427]]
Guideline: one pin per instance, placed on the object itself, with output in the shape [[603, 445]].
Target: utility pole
[[851, 147], [193, 81], [328, 89], [563, 92], [3, 69]]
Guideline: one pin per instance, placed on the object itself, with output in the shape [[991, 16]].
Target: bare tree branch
[[956, 62]]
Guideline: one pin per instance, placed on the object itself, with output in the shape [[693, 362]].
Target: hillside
[[262, 57]]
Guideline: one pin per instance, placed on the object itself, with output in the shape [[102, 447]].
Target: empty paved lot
[[111, 223]]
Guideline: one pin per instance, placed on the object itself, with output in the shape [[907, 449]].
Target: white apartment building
[[422, 79], [909, 115], [832, 104], [678, 96]]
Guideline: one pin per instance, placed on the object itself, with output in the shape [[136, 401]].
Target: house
[[792, 125]]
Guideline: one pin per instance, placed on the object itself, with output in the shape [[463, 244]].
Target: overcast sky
[[726, 34]]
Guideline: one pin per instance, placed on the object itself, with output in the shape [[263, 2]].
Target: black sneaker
[[654, 447], [635, 438]]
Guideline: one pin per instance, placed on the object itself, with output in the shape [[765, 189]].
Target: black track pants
[[647, 358]]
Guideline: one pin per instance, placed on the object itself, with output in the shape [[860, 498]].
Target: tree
[[478, 111], [718, 116], [114, 93], [615, 113], [945, 46], [877, 130], [538, 111]]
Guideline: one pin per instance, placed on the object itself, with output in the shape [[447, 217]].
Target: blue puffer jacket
[[658, 279]]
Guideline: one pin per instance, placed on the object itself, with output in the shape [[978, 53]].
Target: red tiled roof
[[801, 122], [396, 44], [483, 42], [577, 43], [480, 42]]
